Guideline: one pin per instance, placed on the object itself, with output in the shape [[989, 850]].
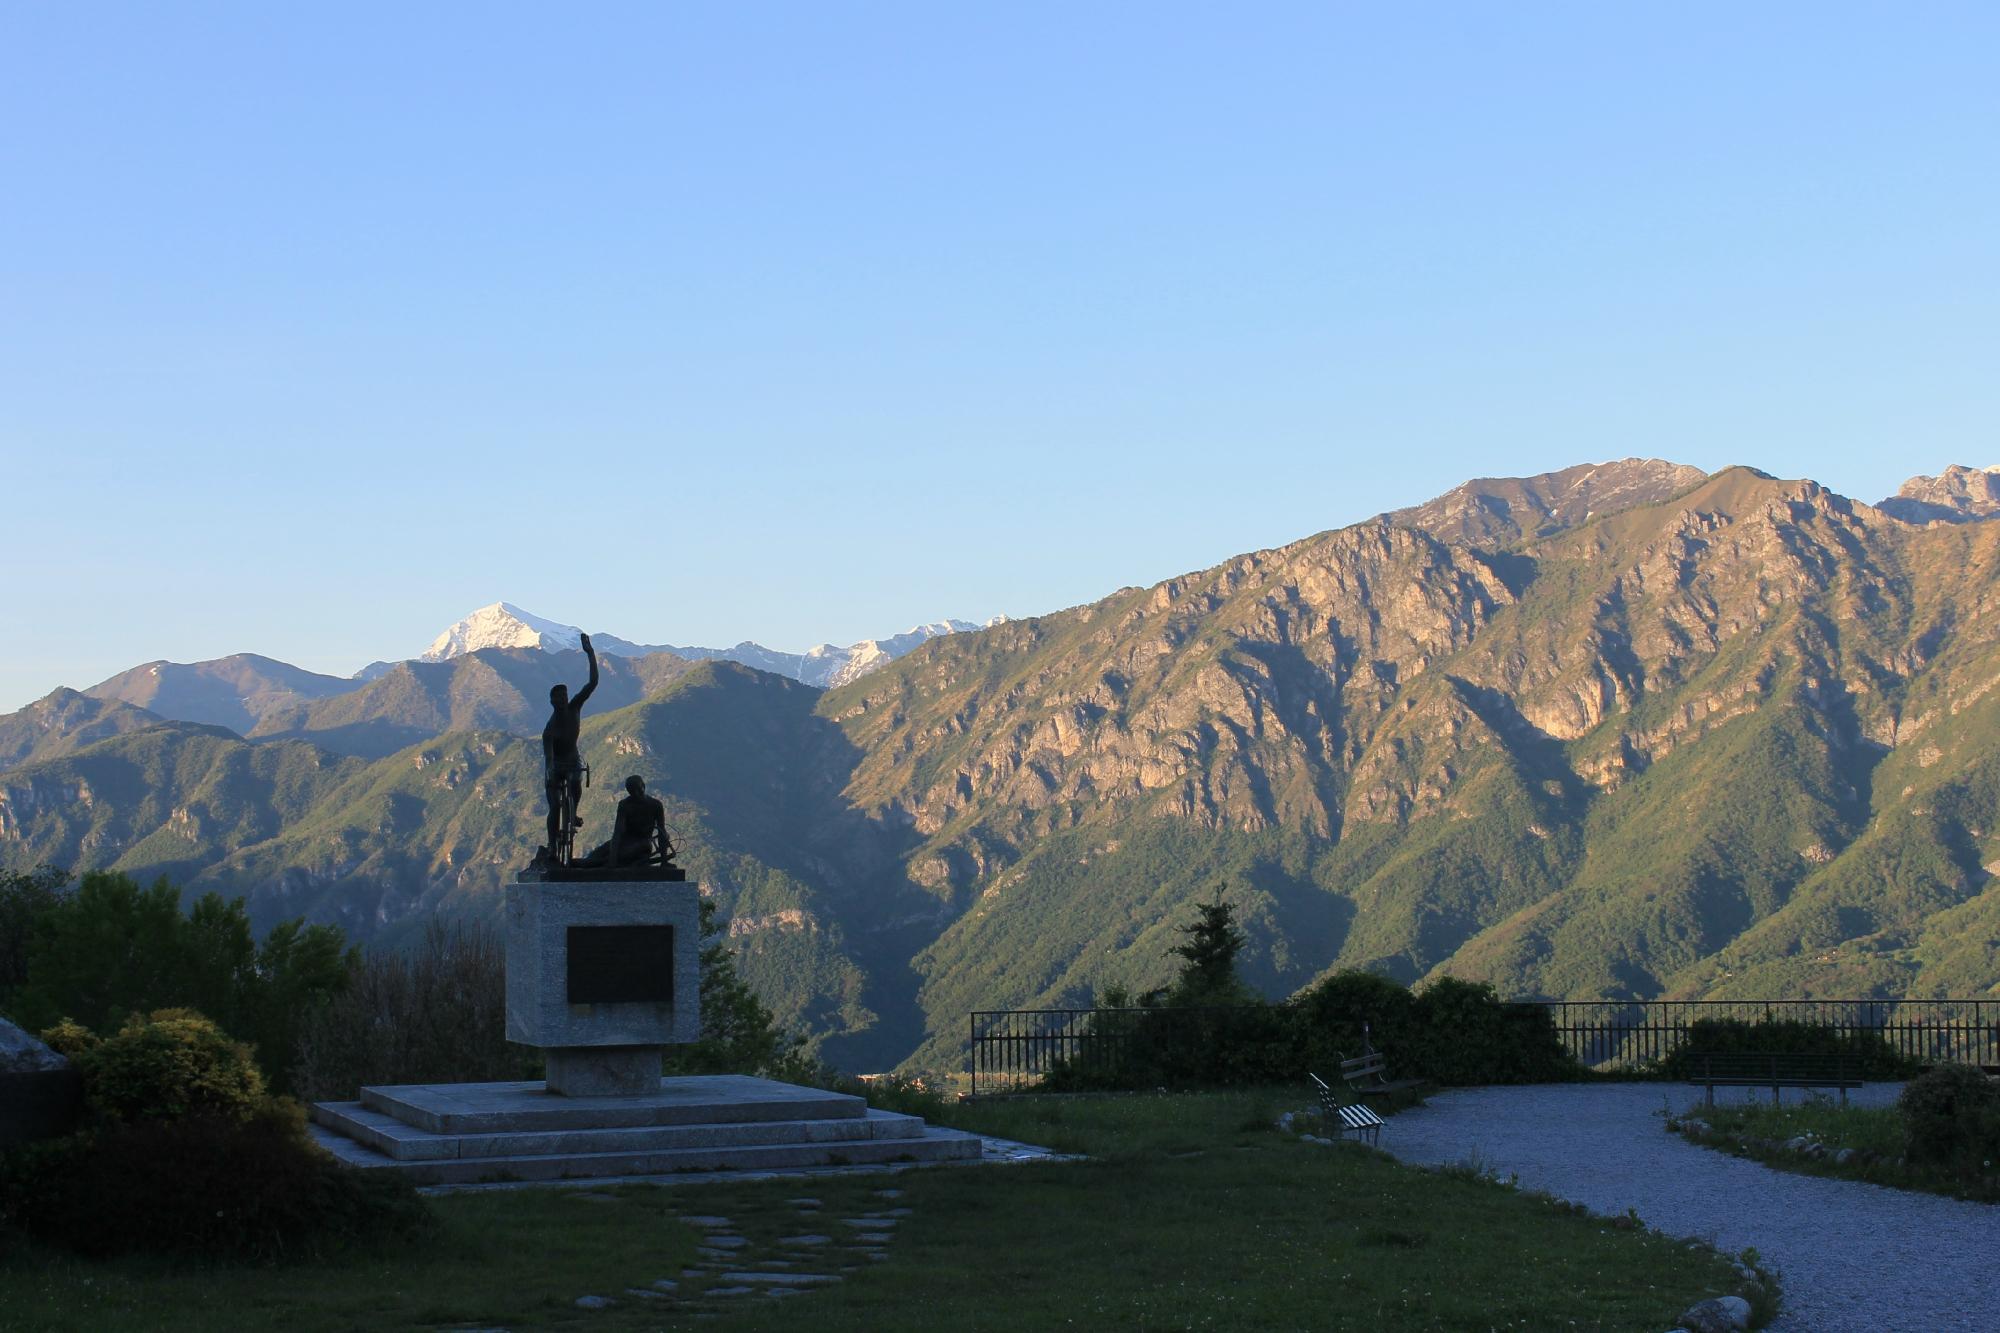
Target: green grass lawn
[[1759, 1130], [1193, 1214]]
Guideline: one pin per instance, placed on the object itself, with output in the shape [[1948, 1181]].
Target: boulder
[[23, 1053], [39, 1091], [1724, 1314]]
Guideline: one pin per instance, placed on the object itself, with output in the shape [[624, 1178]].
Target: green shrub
[[206, 1185], [167, 1065], [70, 1038], [1464, 1035], [899, 1093], [1867, 1054], [1454, 1032], [1951, 1115], [1330, 1017]]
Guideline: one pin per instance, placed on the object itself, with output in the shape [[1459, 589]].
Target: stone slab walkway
[[1850, 1256]]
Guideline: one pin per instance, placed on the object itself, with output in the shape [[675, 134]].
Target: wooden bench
[[1355, 1119], [1745, 1069], [1369, 1073]]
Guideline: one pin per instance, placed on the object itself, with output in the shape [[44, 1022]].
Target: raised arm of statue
[[584, 693]]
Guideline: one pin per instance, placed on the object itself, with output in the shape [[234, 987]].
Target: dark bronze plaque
[[621, 964]]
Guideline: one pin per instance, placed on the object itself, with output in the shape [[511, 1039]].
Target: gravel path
[[1849, 1255]]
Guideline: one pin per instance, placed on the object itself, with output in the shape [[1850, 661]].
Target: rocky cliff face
[[1959, 495], [1587, 753]]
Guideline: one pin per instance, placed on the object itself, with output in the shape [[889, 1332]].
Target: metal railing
[[1013, 1050], [1625, 1034]]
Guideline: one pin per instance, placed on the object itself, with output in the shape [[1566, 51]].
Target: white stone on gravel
[[666, 1284], [868, 1223], [1850, 1256], [803, 1203], [594, 1302], [805, 1240], [873, 1238], [1724, 1314], [888, 1194], [646, 1295], [724, 1242], [729, 1291], [709, 1223]]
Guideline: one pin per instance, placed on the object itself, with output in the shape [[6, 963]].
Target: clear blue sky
[[322, 325]]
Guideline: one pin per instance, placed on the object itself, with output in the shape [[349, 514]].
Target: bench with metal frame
[[1353, 1119], [1770, 1069], [1368, 1073]]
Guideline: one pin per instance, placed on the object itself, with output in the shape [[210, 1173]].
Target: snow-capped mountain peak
[[504, 625], [501, 625]]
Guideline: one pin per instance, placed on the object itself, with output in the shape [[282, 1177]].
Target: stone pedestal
[[602, 975], [603, 1071]]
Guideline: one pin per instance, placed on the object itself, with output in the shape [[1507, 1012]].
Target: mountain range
[[504, 625], [1624, 730]]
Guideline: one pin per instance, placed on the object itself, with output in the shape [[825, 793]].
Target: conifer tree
[[1208, 971]]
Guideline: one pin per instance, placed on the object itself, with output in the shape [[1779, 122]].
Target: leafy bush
[[70, 1038], [1951, 1115], [1463, 1035], [206, 1185], [902, 1094], [169, 1064], [1453, 1032], [1330, 1017], [1867, 1054]]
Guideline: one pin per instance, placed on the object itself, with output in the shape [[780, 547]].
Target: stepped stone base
[[466, 1133]]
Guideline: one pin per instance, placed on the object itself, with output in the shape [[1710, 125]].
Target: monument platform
[[468, 1133]]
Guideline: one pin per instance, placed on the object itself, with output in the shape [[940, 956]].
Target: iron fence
[[1013, 1050], [1626, 1034]]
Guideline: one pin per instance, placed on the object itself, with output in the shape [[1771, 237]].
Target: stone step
[[932, 1145], [527, 1107], [407, 1143]]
